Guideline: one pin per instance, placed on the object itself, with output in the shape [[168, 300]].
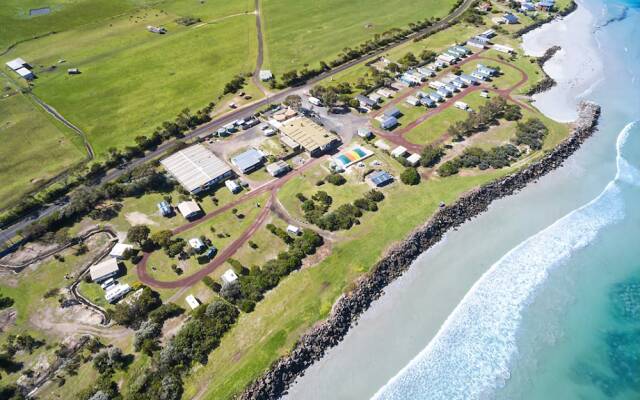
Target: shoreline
[[348, 308]]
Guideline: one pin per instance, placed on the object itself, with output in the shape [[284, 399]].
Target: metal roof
[[16, 64], [195, 166], [307, 133], [380, 178], [105, 269], [247, 160]]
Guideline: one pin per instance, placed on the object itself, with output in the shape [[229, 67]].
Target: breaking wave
[[471, 354]]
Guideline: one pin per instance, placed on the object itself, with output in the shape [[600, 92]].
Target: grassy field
[[131, 79], [29, 138], [299, 33]]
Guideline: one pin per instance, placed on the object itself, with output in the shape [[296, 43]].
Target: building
[[447, 58], [315, 101], [451, 88], [444, 92], [248, 161], [388, 122], [314, 138], [428, 102], [399, 151], [104, 270], [462, 50], [118, 251], [375, 97], [412, 100], [392, 112], [196, 244], [157, 29], [468, 79], [525, 7], [428, 72], [398, 85], [73, 71], [17, 63], [385, 92], [380, 178], [25, 73], [165, 209], [475, 42], [114, 293], [365, 133], [211, 252], [366, 102], [546, 5], [503, 49], [265, 75], [411, 79], [435, 96], [486, 70], [278, 168], [490, 33], [414, 159], [232, 186], [461, 105], [382, 145], [510, 18], [196, 168], [189, 209], [229, 276], [458, 83], [485, 94], [436, 84], [192, 301], [294, 230]]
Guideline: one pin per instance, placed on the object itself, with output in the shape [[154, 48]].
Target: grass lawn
[[268, 244], [299, 33], [433, 128], [508, 78], [409, 113], [132, 80], [29, 137], [306, 296]]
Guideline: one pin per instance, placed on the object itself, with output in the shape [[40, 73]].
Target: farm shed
[[196, 168], [248, 161]]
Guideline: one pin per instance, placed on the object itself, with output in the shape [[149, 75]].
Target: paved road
[[240, 113]]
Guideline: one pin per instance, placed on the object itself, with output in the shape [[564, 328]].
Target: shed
[[414, 159], [196, 168], [265, 75], [165, 208], [365, 133], [232, 186], [278, 168], [16, 64], [294, 230], [192, 301], [104, 270], [248, 161], [399, 151], [25, 73], [229, 276], [196, 244], [119, 249], [189, 209], [380, 178]]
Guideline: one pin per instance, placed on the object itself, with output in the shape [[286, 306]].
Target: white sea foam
[[471, 354]]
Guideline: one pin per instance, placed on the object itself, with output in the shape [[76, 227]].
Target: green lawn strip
[[132, 80], [268, 246], [303, 32], [433, 128], [30, 137], [307, 296], [509, 77], [226, 222], [409, 113]]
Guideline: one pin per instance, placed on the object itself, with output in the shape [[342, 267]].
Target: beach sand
[[409, 315]]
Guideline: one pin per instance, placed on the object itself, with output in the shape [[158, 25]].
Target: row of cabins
[[482, 40], [543, 5], [483, 72]]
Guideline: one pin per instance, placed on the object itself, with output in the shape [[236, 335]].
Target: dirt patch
[[237, 356], [7, 318], [171, 327], [138, 218], [64, 322], [321, 253], [27, 252]]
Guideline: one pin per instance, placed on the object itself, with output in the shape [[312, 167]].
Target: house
[[451, 88], [479, 76], [114, 293], [294, 230], [156, 29], [510, 18], [475, 42], [486, 70], [118, 251], [447, 58], [196, 244], [165, 208], [436, 84], [525, 7], [420, 94], [229, 276], [278, 168], [414, 159], [248, 161], [498, 20], [503, 49], [365, 133], [192, 301], [232, 186], [388, 122], [441, 64], [458, 83], [452, 51], [412, 100], [410, 79], [463, 50], [468, 79], [399, 151], [444, 92], [428, 72], [189, 209], [104, 270], [398, 85], [386, 93], [392, 112], [435, 97], [380, 178], [265, 75], [461, 105], [366, 102], [490, 33], [546, 5], [375, 97], [428, 102]]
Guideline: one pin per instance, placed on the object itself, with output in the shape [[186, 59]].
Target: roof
[[365, 100], [265, 74], [388, 121], [104, 269], [114, 292], [307, 133], [24, 72], [16, 63], [247, 160], [192, 301], [510, 18], [399, 151], [380, 177], [392, 112], [119, 249], [195, 166], [187, 208], [196, 243], [277, 167], [229, 276], [414, 158]]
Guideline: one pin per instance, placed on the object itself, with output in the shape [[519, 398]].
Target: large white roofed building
[[196, 168]]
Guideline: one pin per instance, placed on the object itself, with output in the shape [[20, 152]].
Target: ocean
[[539, 298]]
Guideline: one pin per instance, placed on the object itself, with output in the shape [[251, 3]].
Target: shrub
[[336, 179], [410, 176]]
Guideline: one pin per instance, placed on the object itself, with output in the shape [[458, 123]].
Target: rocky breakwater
[[547, 82], [312, 345]]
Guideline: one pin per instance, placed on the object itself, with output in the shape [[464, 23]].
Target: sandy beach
[[413, 309]]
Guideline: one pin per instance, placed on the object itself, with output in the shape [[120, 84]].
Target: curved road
[[240, 113]]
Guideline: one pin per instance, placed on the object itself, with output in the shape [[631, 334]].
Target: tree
[[5, 302], [108, 360], [294, 101], [336, 179], [431, 155], [410, 176], [138, 234], [162, 238]]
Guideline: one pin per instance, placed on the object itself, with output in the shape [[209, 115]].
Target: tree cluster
[[135, 311], [497, 157], [410, 176], [234, 84], [343, 217], [531, 133], [431, 155], [336, 179], [486, 115]]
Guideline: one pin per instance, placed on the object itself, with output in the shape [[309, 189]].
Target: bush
[[410, 176], [431, 155], [336, 179], [211, 284], [134, 313]]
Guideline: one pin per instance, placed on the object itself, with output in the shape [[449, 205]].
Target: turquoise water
[[558, 316]]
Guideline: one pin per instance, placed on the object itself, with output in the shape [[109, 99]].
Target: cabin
[[229, 276], [388, 123], [189, 209], [366, 102], [278, 168], [412, 100], [232, 186], [365, 133], [165, 209], [392, 112], [380, 178], [399, 151], [414, 159], [427, 102]]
